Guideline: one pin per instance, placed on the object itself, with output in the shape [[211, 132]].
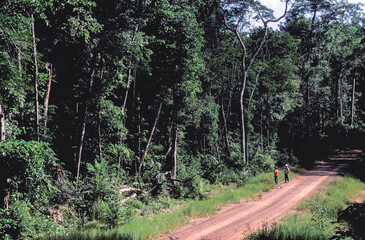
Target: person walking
[[276, 174], [286, 172]]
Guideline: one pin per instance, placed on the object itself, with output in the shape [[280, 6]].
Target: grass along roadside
[[163, 223], [317, 216]]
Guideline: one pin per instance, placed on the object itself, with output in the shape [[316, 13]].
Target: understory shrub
[[24, 220]]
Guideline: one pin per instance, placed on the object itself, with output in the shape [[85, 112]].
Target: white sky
[[279, 7]]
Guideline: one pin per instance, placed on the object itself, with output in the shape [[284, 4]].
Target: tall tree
[[244, 9]]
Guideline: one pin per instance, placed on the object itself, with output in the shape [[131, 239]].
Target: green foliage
[[25, 220], [162, 223], [263, 162], [111, 213], [100, 197], [30, 169]]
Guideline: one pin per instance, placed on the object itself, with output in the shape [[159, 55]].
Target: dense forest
[[101, 101]]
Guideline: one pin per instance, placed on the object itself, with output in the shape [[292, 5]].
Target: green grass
[[318, 214], [163, 223]]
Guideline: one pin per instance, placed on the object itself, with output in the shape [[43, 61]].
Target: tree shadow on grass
[[354, 217]]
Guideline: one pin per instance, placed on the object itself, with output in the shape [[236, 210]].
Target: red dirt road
[[238, 220]]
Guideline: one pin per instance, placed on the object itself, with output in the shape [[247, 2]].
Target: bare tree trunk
[[243, 125], [257, 79], [20, 68], [175, 153], [226, 130], [353, 101], [81, 143], [134, 84], [126, 92], [119, 160], [99, 134], [149, 141], [341, 101], [35, 79], [2, 122], [46, 99], [83, 131], [129, 73], [261, 128], [99, 120]]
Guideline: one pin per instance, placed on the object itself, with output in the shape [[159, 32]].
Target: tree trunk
[[20, 68], [129, 73], [83, 131], [353, 102], [149, 141], [243, 128], [337, 113], [99, 120], [341, 101], [6, 199], [99, 134], [226, 131], [2, 122], [46, 99], [35, 79], [126, 92], [175, 153], [139, 141], [261, 128], [119, 160]]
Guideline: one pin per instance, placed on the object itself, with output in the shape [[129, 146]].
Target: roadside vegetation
[[163, 223], [318, 216]]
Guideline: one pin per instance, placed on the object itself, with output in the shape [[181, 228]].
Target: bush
[[262, 162], [29, 168], [23, 220], [111, 213]]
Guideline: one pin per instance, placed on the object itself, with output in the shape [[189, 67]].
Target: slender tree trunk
[[20, 68], [126, 92], [81, 143], [353, 101], [139, 141], [35, 78], [99, 120], [83, 131], [175, 153], [149, 141], [243, 126], [99, 134], [337, 101], [119, 160], [134, 84], [2, 122], [226, 131], [129, 73], [261, 128], [46, 99], [341, 101]]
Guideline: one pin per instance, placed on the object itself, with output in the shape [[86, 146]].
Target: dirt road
[[236, 221]]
